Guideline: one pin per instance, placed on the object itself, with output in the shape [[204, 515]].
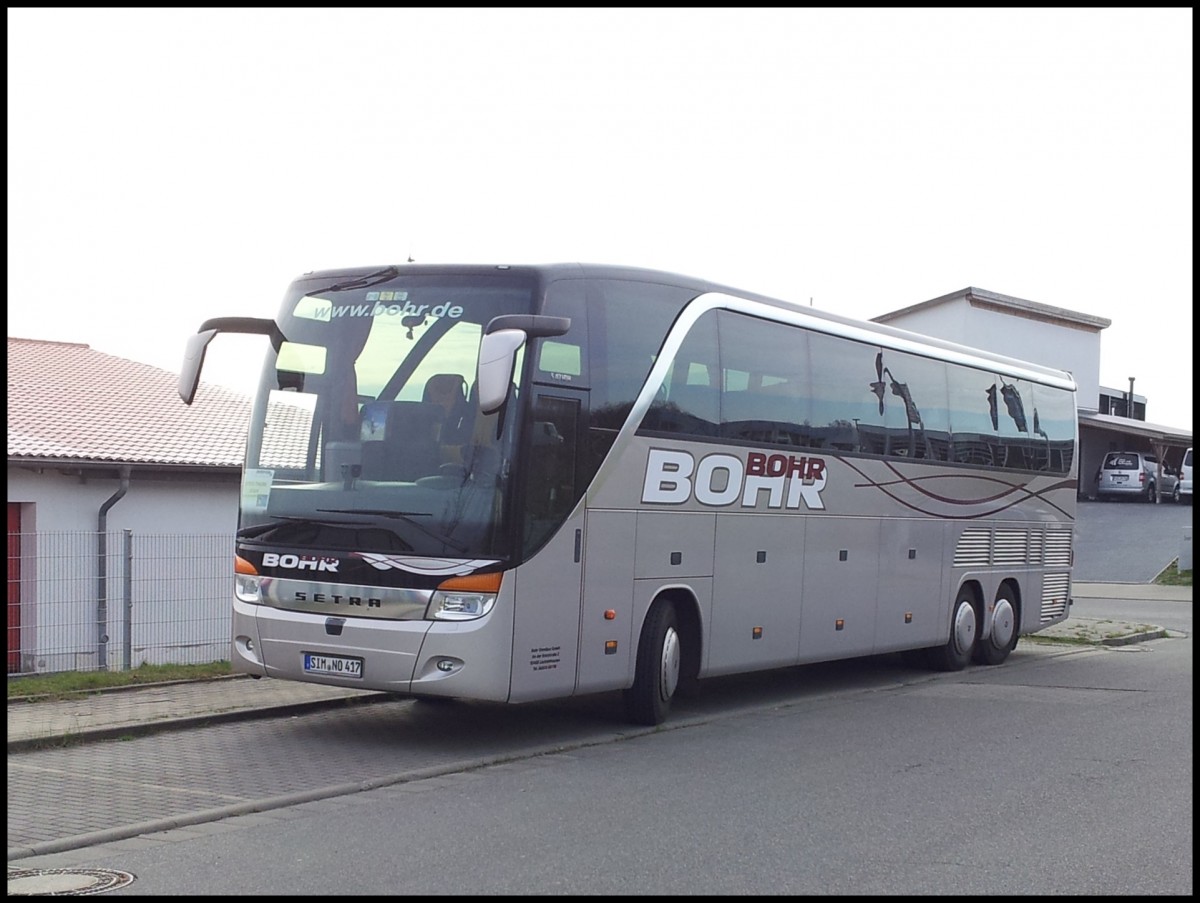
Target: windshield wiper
[[250, 532], [283, 521], [257, 530], [406, 516], [364, 281]]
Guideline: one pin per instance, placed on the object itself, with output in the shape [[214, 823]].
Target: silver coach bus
[[515, 483]]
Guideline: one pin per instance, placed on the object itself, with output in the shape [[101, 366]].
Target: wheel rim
[[668, 678], [964, 627], [1004, 622]]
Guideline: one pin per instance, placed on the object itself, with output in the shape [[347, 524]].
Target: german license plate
[[338, 665]]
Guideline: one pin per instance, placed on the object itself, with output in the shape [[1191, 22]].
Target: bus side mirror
[[502, 337], [193, 360], [493, 374], [193, 355]]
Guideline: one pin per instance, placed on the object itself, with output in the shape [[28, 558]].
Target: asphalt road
[[1127, 542], [1067, 770]]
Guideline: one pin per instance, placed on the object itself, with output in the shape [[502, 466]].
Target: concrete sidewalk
[[134, 711]]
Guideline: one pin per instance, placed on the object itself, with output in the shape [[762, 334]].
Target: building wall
[[1037, 341], [177, 505], [161, 592]]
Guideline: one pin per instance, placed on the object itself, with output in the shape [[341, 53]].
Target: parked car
[[1183, 486], [1133, 475]]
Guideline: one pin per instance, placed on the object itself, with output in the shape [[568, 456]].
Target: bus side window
[[691, 407], [693, 396], [762, 395]]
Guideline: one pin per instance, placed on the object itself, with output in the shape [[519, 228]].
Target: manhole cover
[[64, 882]]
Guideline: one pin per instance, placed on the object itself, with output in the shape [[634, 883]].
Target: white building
[[122, 507]]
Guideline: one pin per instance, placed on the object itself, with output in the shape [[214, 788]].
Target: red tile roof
[[68, 402]]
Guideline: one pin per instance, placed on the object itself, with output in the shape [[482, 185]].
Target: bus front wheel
[[1003, 638], [656, 671], [964, 628]]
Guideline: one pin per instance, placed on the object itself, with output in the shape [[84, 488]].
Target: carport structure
[[1102, 433]]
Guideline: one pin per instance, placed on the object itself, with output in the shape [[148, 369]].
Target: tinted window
[[1120, 462], [1053, 429], [915, 417], [689, 401], [627, 324], [763, 395], [745, 379], [617, 328], [844, 410]]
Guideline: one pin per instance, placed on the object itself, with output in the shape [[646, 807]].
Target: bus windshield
[[366, 435]]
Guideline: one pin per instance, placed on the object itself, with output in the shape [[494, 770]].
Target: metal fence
[[88, 601]]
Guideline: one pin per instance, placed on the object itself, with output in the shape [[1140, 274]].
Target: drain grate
[[64, 882]]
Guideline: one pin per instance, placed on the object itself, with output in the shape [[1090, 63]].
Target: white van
[[1183, 488]]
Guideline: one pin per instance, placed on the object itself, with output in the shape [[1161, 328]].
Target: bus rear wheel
[[964, 628], [656, 671], [995, 648]]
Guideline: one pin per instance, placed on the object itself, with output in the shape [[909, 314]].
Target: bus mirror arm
[[535, 326], [193, 355]]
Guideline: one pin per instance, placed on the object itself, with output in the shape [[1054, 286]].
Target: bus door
[[546, 626]]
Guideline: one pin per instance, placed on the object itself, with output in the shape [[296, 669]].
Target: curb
[[1129, 639], [147, 728]]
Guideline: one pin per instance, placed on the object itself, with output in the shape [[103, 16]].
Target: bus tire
[[994, 649], [656, 671], [964, 629]]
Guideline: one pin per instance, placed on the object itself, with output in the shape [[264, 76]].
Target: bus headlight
[[460, 606], [247, 585], [464, 598], [247, 588]]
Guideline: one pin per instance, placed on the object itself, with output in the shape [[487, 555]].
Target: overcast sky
[[167, 166]]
